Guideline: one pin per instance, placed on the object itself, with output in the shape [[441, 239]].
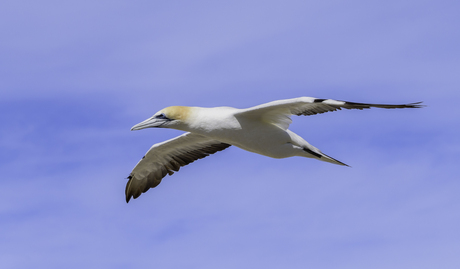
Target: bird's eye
[[161, 116]]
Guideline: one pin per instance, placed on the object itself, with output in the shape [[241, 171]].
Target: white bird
[[261, 129]]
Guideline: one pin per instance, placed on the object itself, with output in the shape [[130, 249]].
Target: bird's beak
[[149, 123]]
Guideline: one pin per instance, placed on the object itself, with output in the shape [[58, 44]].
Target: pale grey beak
[[149, 123]]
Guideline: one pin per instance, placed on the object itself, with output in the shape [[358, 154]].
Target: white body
[[226, 125]]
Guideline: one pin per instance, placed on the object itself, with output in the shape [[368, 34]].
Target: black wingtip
[[128, 196], [417, 105]]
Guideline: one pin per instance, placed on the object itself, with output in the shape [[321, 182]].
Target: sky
[[75, 76]]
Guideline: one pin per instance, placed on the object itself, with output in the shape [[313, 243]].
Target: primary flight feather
[[261, 129]]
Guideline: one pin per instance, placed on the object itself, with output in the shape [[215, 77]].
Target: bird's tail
[[317, 154]]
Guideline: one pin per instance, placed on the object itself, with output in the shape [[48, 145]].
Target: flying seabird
[[261, 129]]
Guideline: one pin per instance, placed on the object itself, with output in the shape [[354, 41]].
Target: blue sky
[[76, 75]]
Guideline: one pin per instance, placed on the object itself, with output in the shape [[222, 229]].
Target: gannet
[[261, 129]]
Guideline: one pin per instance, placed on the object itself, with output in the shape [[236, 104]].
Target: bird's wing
[[166, 158], [279, 112]]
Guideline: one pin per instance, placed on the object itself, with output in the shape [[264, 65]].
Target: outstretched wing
[[166, 158], [279, 112]]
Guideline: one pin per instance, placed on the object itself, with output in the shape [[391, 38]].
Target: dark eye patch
[[161, 116]]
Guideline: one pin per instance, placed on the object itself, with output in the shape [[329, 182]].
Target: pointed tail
[[322, 157]]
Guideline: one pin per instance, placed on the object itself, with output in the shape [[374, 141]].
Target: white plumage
[[262, 129]]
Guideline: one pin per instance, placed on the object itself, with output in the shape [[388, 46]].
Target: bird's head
[[170, 117]]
